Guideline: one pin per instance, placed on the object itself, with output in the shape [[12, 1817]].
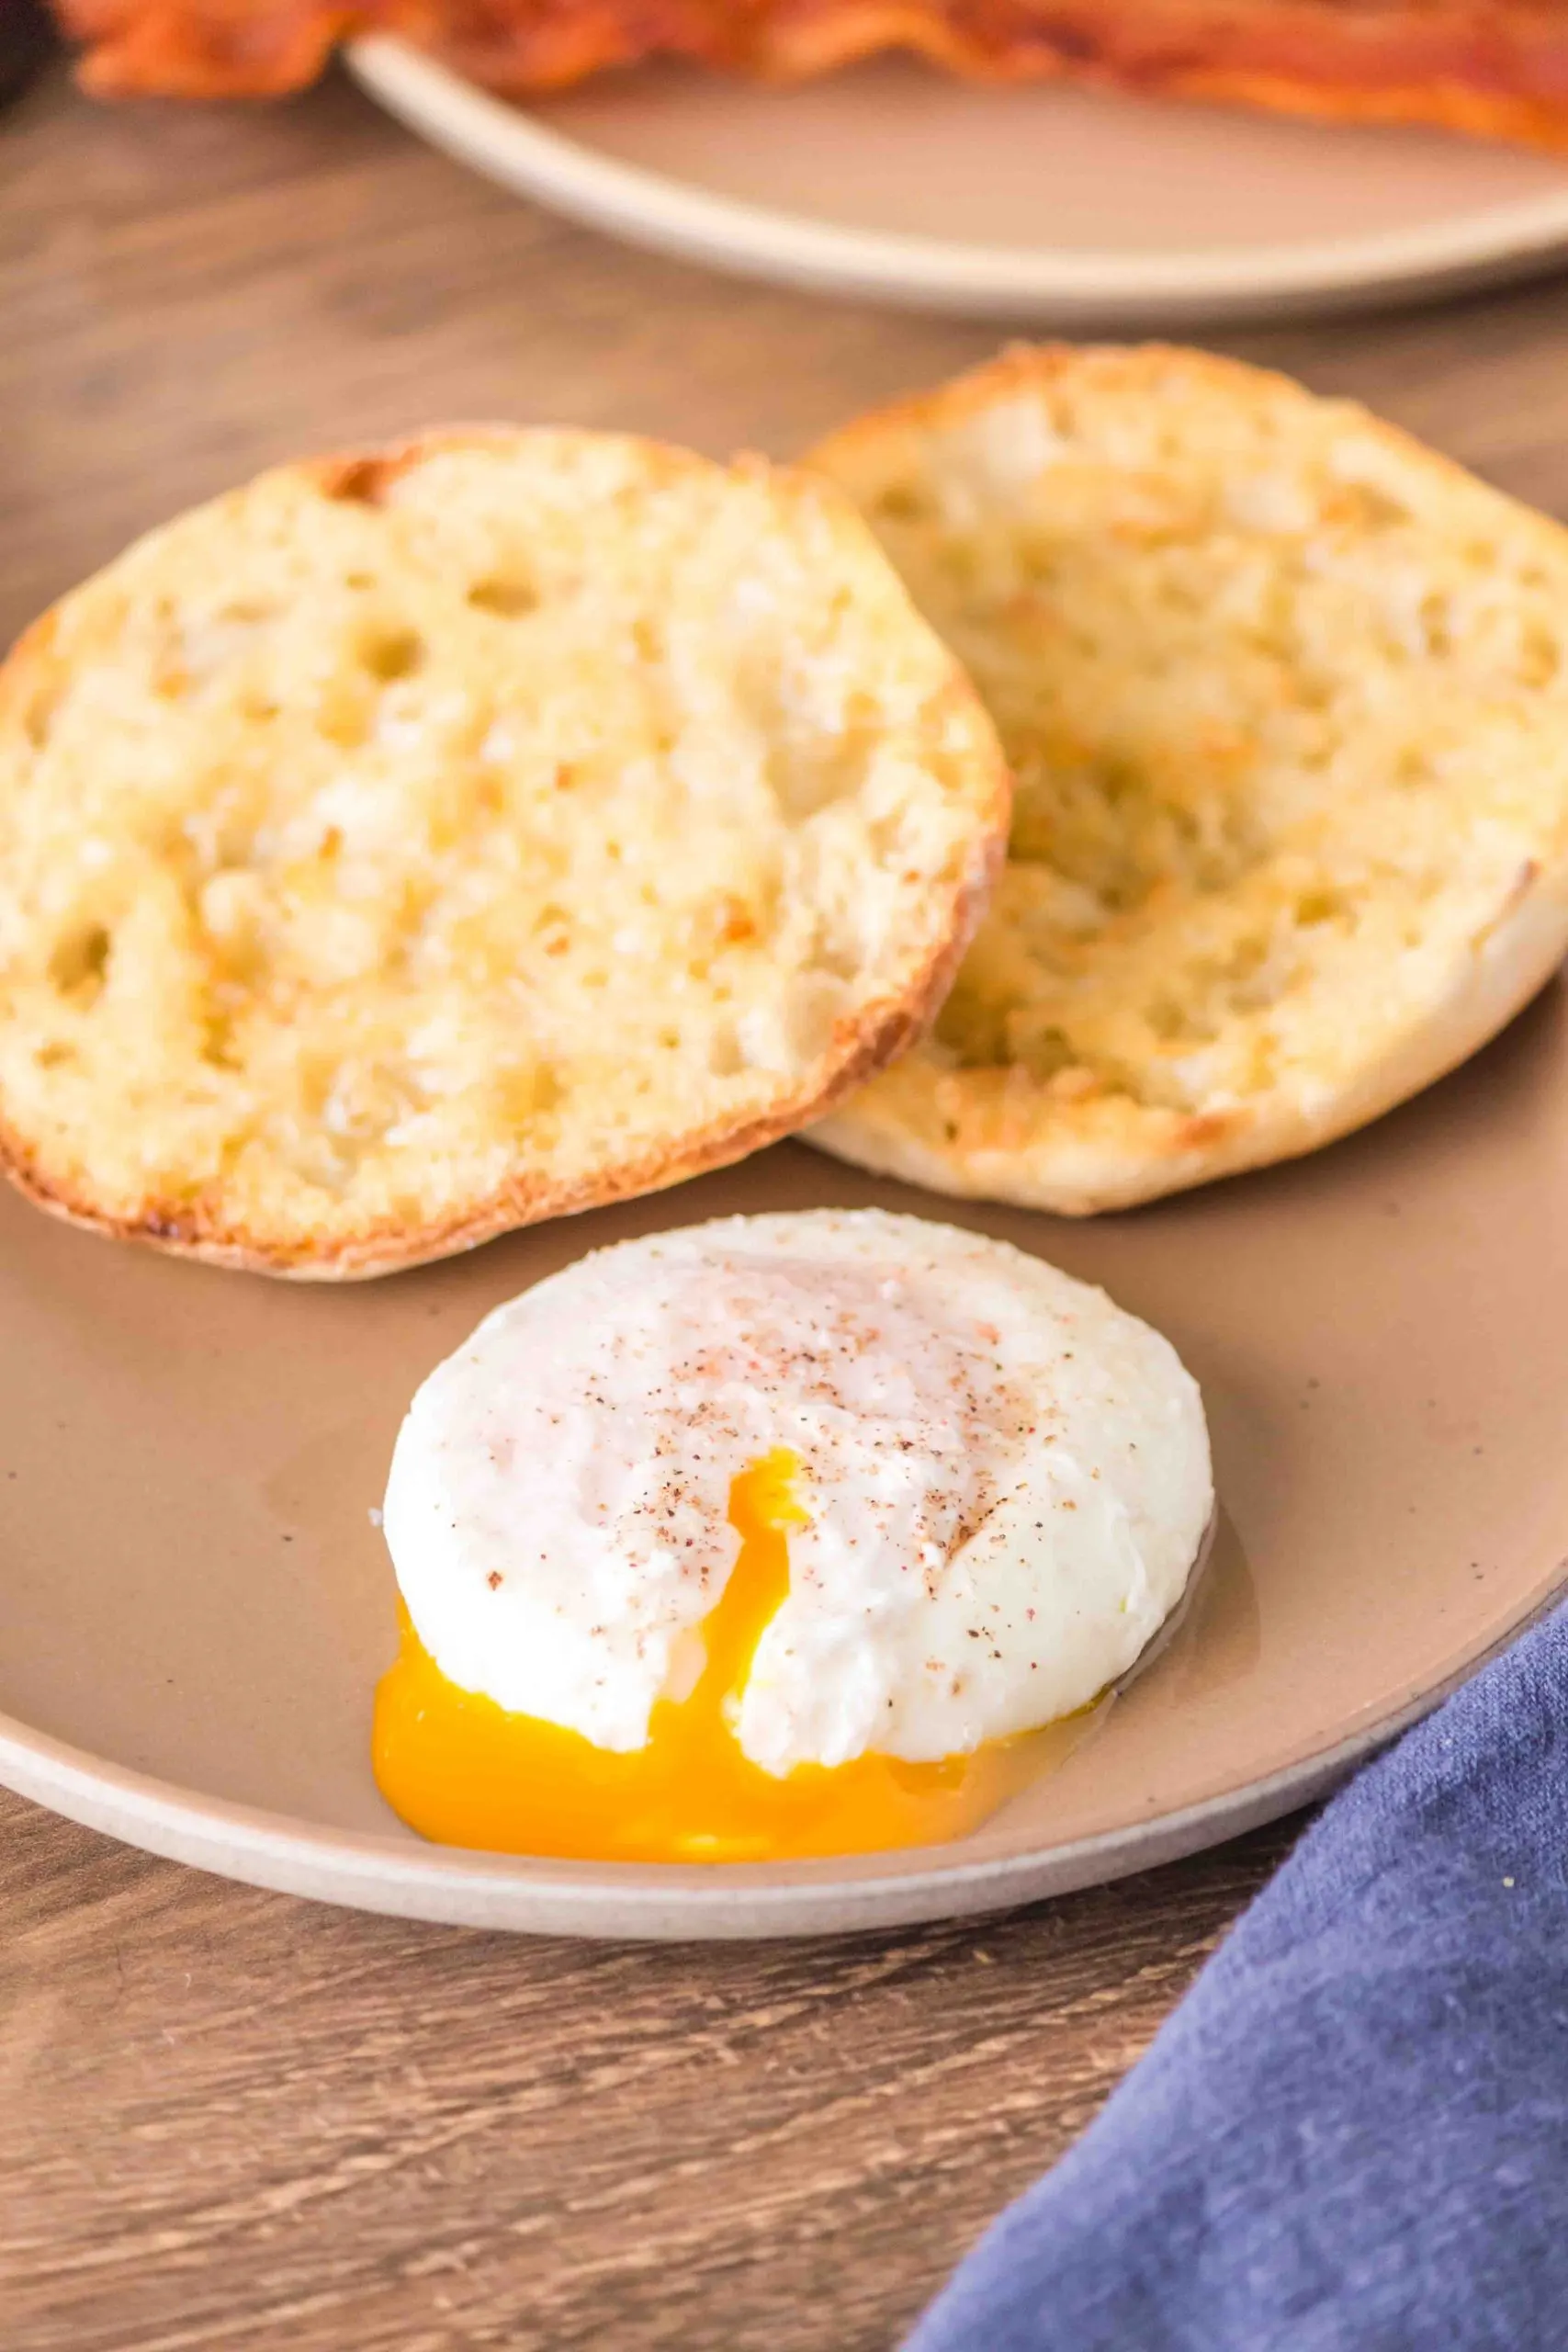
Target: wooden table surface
[[232, 2119]]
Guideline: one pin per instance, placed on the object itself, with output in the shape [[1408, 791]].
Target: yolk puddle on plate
[[462, 1770]]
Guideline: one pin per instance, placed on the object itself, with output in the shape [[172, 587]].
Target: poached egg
[[775, 1536]]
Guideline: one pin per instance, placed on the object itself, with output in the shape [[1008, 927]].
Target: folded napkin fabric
[[1352, 2135]]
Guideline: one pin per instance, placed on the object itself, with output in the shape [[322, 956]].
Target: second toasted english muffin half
[[1286, 700], [411, 845]]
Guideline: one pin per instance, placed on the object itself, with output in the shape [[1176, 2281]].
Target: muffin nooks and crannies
[[1286, 700], [410, 846]]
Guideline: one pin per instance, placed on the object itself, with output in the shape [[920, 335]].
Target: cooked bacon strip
[[1495, 67]]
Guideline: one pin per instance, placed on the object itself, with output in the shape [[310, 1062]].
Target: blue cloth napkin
[[1352, 2135]]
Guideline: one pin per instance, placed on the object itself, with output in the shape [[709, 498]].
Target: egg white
[[1007, 1477]]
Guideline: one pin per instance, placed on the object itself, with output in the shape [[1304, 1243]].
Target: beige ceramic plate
[[1055, 204], [195, 1606]]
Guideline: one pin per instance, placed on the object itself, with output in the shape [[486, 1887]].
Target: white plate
[[1054, 204]]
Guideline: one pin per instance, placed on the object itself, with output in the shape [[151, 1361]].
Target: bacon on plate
[[1495, 67]]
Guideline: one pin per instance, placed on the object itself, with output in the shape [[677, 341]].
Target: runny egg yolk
[[462, 1770]]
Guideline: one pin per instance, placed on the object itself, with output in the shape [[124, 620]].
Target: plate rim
[[499, 139], [382, 1873]]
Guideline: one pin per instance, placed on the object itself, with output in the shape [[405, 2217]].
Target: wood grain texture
[[235, 2120]]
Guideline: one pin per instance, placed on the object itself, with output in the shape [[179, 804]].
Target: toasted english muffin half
[[1286, 701], [411, 845]]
